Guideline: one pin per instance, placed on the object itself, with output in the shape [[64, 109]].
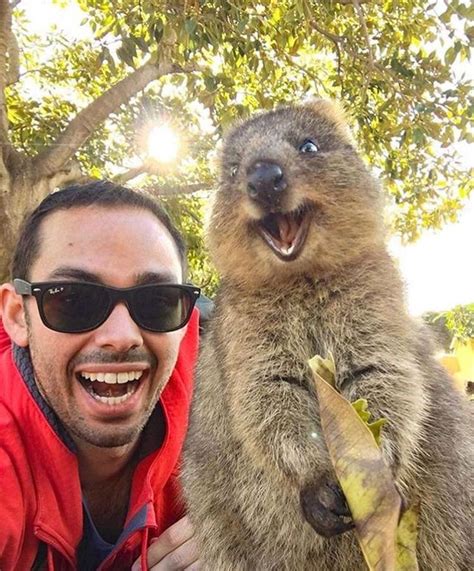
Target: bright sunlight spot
[[162, 144]]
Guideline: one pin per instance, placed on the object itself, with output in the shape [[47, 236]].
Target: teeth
[[112, 378], [287, 250], [113, 400], [122, 378]]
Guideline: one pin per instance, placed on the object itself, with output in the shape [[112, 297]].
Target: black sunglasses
[[76, 307]]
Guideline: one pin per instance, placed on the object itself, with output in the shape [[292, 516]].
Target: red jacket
[[40, 494]]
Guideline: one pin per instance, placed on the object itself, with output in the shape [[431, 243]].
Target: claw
[[325, 508]]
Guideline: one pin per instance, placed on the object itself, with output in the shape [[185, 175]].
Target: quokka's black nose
[[265, 182]]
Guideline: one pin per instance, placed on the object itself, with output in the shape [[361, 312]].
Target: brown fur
[[255, 439]]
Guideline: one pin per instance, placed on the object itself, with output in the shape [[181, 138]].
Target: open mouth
[[286, 233], [111, 388]]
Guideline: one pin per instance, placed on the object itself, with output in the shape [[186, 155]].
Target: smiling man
[[95, 386]]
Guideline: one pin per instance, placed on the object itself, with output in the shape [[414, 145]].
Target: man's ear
[[12, 313]]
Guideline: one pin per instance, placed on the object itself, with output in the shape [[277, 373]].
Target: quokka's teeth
[[112, 378]]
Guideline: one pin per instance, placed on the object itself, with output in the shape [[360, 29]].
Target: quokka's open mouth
[[285, 233]]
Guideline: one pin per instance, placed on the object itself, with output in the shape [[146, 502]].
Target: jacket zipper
[[51, 543], [142, 532]]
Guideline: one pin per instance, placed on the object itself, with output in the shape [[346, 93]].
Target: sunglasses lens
[[74, 307], [162, 308]]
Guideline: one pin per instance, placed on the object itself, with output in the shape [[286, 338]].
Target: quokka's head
[[294, 197]]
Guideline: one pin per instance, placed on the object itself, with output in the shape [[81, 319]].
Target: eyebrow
[[156, 277], [143, 278]]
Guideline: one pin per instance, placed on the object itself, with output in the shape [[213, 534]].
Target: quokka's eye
[[309, 146], [233, 170]]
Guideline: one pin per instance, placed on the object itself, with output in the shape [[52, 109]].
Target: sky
[[438, 269]]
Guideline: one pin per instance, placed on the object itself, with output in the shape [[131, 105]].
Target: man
[[95, 386]]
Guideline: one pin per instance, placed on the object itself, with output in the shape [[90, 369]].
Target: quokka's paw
[[325, 508]]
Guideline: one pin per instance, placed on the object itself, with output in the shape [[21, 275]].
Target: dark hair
[[102, 193]]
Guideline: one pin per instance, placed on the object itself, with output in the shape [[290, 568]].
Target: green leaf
[[387, 540], [361, 407], [363, 475], [190, 26], [407, 534]]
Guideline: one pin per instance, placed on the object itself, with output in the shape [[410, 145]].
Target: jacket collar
[[51, 451], [22, 359]]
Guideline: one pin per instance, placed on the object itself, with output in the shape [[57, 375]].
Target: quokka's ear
[[335, 113]]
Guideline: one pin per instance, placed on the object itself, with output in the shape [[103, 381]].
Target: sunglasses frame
[[38, 290]]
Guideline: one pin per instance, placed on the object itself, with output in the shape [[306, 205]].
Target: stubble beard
[[74, 423]]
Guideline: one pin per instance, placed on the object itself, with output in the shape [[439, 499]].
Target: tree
[[201, 64]]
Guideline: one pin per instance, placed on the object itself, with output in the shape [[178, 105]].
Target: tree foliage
[[396, 67], [459, 321]]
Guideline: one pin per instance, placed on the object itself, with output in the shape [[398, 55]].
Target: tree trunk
[[25, 181], [20, 193]]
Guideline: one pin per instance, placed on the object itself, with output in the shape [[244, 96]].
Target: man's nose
[[119, 332]]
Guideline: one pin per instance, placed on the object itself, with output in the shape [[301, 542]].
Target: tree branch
[[124, 177], [152, 167], [340, 40], [5, 32], [69, 174], [13, 74], [337, 40], [371, 62], [347, 2], [176, 190], [333, 37], [87, 120], [291, 61]]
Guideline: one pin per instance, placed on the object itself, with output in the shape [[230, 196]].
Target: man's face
[[120, 247]]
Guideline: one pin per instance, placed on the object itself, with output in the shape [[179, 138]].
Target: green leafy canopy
[[398, 68]]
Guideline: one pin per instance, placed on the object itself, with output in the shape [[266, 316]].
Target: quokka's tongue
[[288, 228]]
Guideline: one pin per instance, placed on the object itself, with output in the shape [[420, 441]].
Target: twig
[[347, 2], [337, 40], [330, 36], [122, 178], [87, 120], [371, 59], [177, 190]]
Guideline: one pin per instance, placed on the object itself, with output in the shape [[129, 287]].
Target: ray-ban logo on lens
[[54, 290]]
